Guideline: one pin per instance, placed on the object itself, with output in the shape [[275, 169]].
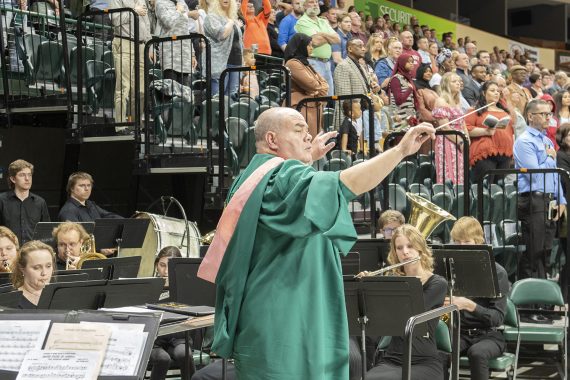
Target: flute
[[386, 269]]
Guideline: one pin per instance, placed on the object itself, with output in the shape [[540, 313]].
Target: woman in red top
[[491, 148], [256, 26]]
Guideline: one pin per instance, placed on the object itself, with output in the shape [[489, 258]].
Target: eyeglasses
[[543, 114]]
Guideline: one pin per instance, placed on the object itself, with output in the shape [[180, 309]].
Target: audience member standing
[[125, 61], [20, 209], [323, 37], [287, 25], [518, 77], [222, 29], [273, 33], [305, 81], [385, 66], [491, 148], [402, 91], [449, 148], [533, 150], [407, 40], [343, 30], [256, 26], [356, 27], [176, 57]]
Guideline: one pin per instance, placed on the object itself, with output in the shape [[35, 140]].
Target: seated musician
[[8, 249], [480, 317], [161, 262], [388, 221], [168, 348], [69, 237], [78, 207], [32, 271], [407, 243]]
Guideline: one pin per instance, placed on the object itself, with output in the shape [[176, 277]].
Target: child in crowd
[[380, 122], [389, 220], [348, 133], [249, 84]]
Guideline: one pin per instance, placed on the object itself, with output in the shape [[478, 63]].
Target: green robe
[[280, 309]]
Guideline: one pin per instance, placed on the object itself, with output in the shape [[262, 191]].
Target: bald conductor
[[280, 309]]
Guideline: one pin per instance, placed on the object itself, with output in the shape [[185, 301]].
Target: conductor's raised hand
[[415, 137], [320, 146]]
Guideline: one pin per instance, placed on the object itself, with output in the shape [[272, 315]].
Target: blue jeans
[[231, 82], [324, 68]]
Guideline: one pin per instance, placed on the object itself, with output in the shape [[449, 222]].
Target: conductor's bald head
[[283, 132]]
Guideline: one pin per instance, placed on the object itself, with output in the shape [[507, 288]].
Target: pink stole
[[226, 226]]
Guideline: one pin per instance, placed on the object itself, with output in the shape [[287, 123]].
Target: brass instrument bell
[[426, 216]]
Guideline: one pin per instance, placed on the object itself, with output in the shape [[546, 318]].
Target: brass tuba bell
[[426, 216], [88, 252]]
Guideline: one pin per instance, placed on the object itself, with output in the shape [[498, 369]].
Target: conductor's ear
[[271, 140]]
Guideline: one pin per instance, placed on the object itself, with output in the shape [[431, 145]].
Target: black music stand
[[92, 273], [120, 233], [373, 253], [93, 295], [71, 277], [381, 306], [43, 231], [185, 286], [115, 267], [469, 269]]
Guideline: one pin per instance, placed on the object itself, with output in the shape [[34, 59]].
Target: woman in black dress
[[407, 243], [32, 271]]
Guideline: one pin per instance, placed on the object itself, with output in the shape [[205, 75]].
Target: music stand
[[92, 273], [373, 253], [115, 267], [93, 295], [120, 233], [469, 269], [133, 291], [43, 231], [5, 278], [381, 306], [185, 286], [71, 277]]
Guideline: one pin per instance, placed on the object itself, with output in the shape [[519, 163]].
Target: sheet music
[[78, 337], [17, 338], [60, 365], [133, 310], [125, 348]]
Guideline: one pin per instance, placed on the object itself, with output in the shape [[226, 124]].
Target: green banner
[[401, 15]]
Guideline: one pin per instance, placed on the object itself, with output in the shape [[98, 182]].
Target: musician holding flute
[[407, 244]]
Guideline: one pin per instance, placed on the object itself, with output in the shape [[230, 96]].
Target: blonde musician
[[480, 317], [32, 271], [408, 243], [69, 238], [8, 249]]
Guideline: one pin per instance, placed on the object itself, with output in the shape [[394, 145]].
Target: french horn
[[426, 216], [88, 252]]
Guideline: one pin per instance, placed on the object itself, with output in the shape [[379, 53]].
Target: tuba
[[88, 252], [426, 216]]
